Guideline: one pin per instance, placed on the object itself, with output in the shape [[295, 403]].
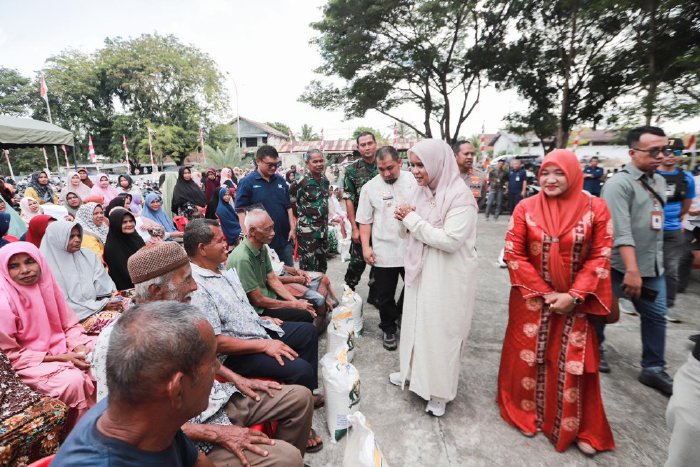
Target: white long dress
[[438, 308]]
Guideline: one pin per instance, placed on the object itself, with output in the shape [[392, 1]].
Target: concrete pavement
[[472, 432]]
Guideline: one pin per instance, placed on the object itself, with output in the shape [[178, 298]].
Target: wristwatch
[[577, 300]]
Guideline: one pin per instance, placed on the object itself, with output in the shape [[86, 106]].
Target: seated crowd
[[197, 348]]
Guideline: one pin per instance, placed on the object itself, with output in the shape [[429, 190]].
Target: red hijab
[[37, 228], [558, 215]]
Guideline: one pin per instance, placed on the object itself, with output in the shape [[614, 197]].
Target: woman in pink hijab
[[440, 266], [103, 188], [40, 334]]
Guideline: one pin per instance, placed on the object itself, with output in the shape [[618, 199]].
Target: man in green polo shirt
[[265, 292]]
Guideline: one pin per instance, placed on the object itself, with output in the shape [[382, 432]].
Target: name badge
[[657, 220], [670, 189]]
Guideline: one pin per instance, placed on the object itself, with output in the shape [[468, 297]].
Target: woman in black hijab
[[187, 192], [122, 242]]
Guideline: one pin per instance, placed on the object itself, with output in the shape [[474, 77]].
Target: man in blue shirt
[[265, 187], [593, 177], [517, 183], [161, 365], [680, 191]]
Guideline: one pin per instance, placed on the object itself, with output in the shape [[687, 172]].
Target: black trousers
[[385, 281], [303, 370], [290, 314]]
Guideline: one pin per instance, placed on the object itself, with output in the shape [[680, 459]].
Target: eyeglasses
[[654, 152], [272, 165]]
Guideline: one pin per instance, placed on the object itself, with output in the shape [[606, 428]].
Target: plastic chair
[[43, 462], [180, 222]]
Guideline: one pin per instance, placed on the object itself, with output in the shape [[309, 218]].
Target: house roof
[[588, 135], [263, 126]]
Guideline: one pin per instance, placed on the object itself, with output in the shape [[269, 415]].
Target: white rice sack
[[361, 449], [344, 249], [341, 386], [353, 300], [341, 334]]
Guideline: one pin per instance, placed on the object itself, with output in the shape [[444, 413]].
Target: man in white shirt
[[382, 246]]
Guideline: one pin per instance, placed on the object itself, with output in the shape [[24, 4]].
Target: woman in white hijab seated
[[80, 274]]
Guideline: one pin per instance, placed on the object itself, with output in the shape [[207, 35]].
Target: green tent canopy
[[18, 132]]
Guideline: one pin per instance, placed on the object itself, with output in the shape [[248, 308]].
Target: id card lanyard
[[657, 214]]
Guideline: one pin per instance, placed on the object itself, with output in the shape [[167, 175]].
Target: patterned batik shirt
[[356, 175], [311, 199], [223, 302]]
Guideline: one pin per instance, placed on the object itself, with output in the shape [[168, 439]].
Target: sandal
[[314, 438], [319, 401], [586, 448]]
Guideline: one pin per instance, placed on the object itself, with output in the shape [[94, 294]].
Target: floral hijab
[[84, 217]]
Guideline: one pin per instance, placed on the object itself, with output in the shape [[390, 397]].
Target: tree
[[221, 136], [14, 93], [308, 133], [168, 140], [284, 128], [394, 52], [360, 129], [568, 60], [666, 55], [230, 156]]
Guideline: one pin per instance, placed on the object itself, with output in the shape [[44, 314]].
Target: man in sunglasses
[[680, 191], [636, 197], [266, 188]]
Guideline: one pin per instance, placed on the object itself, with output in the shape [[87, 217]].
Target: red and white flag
[[201, 138], [576, 140], [46, 158], [126, 149], [65, 156], [322, 142], [91, 150], [43, 90], [691, 143], [396, 135], [482, 144]]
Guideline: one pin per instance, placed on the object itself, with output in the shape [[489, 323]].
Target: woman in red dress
[[557, 249]]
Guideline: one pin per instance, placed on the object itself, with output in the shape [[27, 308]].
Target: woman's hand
[[561, 303], [403, 210]]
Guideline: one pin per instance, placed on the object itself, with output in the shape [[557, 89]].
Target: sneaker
[[603, 366], [671, 317], [657, 380], [389, 340], [436, 408], [395, 378]]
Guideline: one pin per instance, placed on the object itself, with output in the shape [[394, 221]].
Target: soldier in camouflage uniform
[[309, 197], [356, 175]]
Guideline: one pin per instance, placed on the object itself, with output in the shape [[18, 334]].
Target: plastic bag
[[361, 449], [344, 249], [341, 386], [341, 332], [353, 300]]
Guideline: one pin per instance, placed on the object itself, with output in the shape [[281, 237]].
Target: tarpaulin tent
[[18, 132]]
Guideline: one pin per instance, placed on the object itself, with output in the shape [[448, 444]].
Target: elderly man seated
[[264, 290], [162, 272], [161, 365], [247, 343]]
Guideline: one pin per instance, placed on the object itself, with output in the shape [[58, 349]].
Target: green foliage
[[15, 90], [308, 133], [230, 156], [128, 84], [377, 134], [567, 59], [168, 140], [394, 52], [221, 136], [284, 128]]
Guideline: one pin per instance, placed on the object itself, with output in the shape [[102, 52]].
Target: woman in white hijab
[[29, 208], [441, 273], [75, 185], [81, 275]]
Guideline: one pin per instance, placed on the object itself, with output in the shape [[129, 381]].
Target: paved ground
[[472, 433]]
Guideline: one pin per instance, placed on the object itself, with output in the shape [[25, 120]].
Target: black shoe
[[603, 366], [660, 380], [372, 300], [695, 338], [389, 340]]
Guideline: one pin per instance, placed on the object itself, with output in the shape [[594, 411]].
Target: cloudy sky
[[262, 46]]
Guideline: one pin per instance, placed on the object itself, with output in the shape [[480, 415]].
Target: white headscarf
[[81, 275]]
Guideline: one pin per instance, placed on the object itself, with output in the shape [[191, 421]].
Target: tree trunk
[[564, 126], [428, 110]]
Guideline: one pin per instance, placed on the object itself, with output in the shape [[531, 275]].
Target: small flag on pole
[[43, 90], [396, 135], [7, 159], [150, 145], [91, 150], [322, 142], [46, 158], [65, 155], [576, 140], [126, 149]]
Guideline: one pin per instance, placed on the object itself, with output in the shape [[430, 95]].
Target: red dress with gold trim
[[548, 379]]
